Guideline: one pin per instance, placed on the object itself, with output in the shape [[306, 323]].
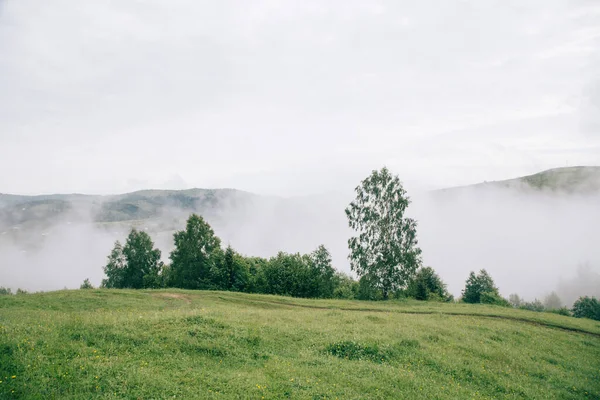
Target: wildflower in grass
[[13, 377]]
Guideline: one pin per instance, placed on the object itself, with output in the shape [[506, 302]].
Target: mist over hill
[[532, 233]]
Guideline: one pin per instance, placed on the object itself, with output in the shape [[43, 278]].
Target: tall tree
[[196, 255], [386, 247]]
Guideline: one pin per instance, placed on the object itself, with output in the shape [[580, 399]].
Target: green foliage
[[535, 305], [290, 275], [322, 273], [476, 285], [385, 247], [86, 284], [5, 291], [351, 350], [494, 298], [427, 285], [587, 307], [22, 291], [195, 258], [368, 290], [136, 265], [561, 311], [345, 286], [115, 268]]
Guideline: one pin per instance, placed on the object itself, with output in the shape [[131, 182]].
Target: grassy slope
[[184, 344]]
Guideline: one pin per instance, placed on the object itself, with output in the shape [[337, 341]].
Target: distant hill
[[580, 180], [23, 212]]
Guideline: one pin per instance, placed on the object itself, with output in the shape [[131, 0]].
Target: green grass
[[183, 344]]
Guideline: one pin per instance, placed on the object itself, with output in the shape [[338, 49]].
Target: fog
[[531, 243]]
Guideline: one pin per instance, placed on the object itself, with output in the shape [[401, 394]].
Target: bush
[[535, 305], [86, 284], [494, 298], [587, 307], [367, 290], [22, 291], [5, 291], [560, 311]]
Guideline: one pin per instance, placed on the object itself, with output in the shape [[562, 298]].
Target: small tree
[[385, 248], [427, 285], [86, 284], [476, 285], [587, 307]]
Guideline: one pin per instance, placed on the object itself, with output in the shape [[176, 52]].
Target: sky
[[293, 97]]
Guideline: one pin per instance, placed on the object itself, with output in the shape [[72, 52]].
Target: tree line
[[384, 254]]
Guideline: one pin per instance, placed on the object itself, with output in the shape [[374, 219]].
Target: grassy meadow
[[165, 344]]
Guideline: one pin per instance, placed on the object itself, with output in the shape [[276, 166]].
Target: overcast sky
[[293, 97]]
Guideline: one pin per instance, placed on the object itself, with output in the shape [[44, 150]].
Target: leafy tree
[[587, 307], [289, 275], [233, 273], [385, 248], [196, 255], [534, 305], [367, 290], [322, 273], [115, 268], [136, 265], [22, 291], [344, 286], [476, 285], [86, 284], [427, 285], [494, 298], [143, 264], [552, 302]]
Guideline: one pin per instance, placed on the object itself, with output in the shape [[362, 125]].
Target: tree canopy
[[385, 247]]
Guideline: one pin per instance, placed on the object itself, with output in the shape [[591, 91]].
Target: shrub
[[356, 351], [494, 298], [587, 307], [5, 291], [561, 311], [535, 305], [22, 291], [86, 284]]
